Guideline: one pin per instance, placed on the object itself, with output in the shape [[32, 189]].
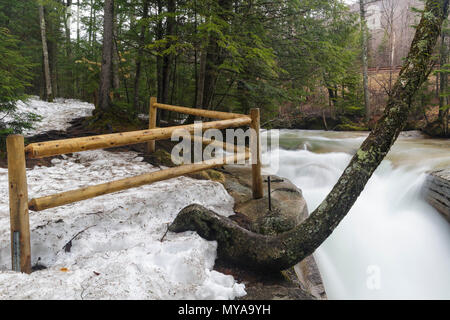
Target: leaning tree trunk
[[273, 253], [48, 81], [104, 98]]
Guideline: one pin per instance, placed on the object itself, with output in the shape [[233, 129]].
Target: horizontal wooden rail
[[59, 147], [223, 145], [200, 112], [64, 198], [19, 204]]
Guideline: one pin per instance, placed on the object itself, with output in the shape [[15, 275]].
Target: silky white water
[[392, 244]]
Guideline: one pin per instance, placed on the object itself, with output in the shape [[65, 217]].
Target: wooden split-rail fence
[[18, 153]]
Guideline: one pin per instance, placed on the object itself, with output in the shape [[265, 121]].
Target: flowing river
[[392, 244]]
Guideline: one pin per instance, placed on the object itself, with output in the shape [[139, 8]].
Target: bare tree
[[364, 35], [47, 75], [140, 53], [104, 98], [389, 16]]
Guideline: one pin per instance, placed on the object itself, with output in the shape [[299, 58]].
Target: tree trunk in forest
[[140, 54], [164, 61], [47, 76], [159, 32], [199, 73], [67, 23], [53, 34], [104, 99], [365, 60], [201, 79], [274, 253], [91, 21], [167, 59], [443, 84], [53, 57], [115, 60], [78, 23], [214, 57]]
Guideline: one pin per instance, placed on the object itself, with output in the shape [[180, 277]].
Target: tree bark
[[201, 79], [78, 23], [159, 33], [67, 23], [104, 99], [365, 60], [47, 76], [140, 54], [443, 84], [168, 58], [116, 59], [274, 253]]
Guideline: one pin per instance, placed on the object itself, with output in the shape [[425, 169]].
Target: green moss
[[208, 175], [112, 122], [274, 223], [161, 158], [362, 154], [350, 127], [215, 175]]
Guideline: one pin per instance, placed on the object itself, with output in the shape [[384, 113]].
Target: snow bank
[[117, 252], [55, 116]]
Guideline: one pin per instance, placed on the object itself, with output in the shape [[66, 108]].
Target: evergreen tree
[[15, 77]]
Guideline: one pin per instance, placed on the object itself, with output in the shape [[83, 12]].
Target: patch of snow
[[117, 252], [56, 115]]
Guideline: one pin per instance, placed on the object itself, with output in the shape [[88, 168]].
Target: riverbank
[[349, 124]]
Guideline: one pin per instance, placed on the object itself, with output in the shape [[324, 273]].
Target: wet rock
[[289, 209], [288, 205], [276, 292], [436, 130]]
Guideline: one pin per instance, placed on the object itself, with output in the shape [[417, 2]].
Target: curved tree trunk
[[280, 252]]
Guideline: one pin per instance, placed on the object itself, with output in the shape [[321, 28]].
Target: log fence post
[[255, 146], [18, 204], [151, 146]]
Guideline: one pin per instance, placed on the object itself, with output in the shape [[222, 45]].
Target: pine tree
[[15, 77]]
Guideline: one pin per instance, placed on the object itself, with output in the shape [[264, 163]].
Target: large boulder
[[288, 205], [289, 209]]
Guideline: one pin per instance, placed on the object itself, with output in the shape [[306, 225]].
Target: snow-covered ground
[[57, 115], [117, 252]]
